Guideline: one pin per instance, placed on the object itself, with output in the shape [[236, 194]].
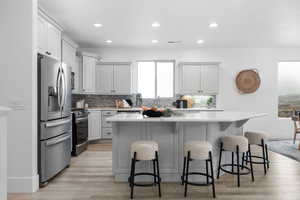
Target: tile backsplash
[[98, 100], [109, 100]]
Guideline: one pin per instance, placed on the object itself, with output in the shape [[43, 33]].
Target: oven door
[[82, 128]]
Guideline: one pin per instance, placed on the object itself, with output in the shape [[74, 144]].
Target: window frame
[[277, 107], [155, 78]]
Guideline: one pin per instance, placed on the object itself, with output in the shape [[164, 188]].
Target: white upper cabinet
[[54, 42], [122, 79], [49, 38], [104, 79], [42, 27], [191, 79], [69, 58], [199, 78], [210, 79], [89, 64], [113, 78]]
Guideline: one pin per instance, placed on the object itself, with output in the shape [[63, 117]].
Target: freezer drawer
[[55, 156], [55, 128], [107, 133]]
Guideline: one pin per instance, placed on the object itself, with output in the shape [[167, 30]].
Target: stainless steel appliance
[[54, 115], [80, 127]]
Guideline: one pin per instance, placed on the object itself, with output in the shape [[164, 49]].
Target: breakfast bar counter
[[171, 133]]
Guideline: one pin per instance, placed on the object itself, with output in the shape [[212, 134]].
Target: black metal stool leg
[[220, 158], [158, 174], [243, 157], [132, 175], [232, 162], [267, 155], [251, 166], [212, 175], [264, 155], [247, 158], [183, 170], [154, 171], [187, 173], [238, 164], [206, 167]]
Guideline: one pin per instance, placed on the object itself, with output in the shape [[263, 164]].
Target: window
[[289, 88], [156, 79]]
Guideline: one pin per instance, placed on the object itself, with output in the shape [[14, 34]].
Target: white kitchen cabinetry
[[42, 26], [49, 38], [191, 79], [199, 78], [69, 58], [89, 64], [122, 79], [104, 79], [210, 79], [99, 128], [95, 125], [114, 78]]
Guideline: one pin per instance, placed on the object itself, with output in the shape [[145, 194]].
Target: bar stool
[[144, 151], [258, 138], [235, 144], [197, 150]]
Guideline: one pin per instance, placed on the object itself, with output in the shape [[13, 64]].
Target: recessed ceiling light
[[213, 25], [200, 41], [154, 41], [108, 41], [98, 25], [155, 24]]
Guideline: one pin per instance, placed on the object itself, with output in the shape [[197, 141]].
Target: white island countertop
[[204, 116], [4, 110]]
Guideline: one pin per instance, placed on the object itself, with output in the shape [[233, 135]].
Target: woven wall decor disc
[[247, 81]]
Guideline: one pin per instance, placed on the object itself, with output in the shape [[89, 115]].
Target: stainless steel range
[[80, 128], [55, 122]]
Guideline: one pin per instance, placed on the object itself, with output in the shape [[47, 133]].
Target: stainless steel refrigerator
[[55, 118]]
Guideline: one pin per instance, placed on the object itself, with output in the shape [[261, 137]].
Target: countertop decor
[[247, 81]]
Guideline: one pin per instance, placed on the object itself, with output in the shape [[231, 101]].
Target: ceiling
[[242, 23]]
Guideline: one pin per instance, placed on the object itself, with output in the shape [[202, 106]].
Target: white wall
[[18, 89], [232, 60]]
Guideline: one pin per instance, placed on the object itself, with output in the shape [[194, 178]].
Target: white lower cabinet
[[99, 128], [95, 125]]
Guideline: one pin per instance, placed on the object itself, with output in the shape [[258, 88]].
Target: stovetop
[[79, 112]]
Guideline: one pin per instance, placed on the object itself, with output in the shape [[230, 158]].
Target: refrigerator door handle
[[49, 143], [59, 88], [64, 89], [53, 124]]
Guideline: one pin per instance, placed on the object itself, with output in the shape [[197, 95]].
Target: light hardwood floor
[[90, 178]]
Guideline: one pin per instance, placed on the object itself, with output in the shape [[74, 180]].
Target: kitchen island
[[171, 133]]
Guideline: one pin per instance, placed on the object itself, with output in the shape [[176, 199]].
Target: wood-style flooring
[[90, 178]]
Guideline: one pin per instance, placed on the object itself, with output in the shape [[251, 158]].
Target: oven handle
[[58, 140], [81, 119], [53, 124]]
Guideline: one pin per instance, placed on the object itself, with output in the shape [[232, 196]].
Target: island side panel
[[124, 133], [164, 133]]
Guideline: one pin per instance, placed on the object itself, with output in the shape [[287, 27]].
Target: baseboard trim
[[23, 184]]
